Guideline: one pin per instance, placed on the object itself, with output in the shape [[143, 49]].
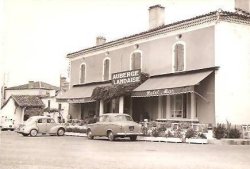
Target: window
[[178, 64], [41, 121], [106, 69], [178, 106], [136, 60], [83, 73], [50, 121]]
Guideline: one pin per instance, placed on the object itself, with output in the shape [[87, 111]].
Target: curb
[[75, 134], [230, 142]]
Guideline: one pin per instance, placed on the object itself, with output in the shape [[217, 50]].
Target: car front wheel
[[60, 132], [90, 135], [111, 136], [33, 132]]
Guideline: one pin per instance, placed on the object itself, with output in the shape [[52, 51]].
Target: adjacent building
[[33, 98], [198, 70]]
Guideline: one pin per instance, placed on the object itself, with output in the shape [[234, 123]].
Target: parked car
[[41, 124], [8, 124], [114, 125]]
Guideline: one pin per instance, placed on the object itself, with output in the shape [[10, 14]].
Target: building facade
[[198, 70]]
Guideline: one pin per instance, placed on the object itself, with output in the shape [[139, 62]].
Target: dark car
[[114, 125]]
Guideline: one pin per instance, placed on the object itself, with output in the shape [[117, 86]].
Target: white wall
[[10, 111], [232, 80]]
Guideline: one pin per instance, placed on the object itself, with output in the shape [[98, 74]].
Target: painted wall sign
[[126, 77]]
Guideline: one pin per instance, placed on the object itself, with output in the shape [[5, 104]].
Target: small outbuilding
[[20, 107]]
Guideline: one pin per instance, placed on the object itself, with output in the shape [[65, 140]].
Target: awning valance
[[170, 84], [79, 94]]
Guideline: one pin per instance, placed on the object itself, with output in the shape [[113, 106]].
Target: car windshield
[[123, 118]]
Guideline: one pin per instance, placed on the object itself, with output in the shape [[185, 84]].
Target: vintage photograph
[[120, 84]]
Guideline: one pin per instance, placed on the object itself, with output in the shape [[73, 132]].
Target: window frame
[[80, 74], [103, 69], [184, 56]]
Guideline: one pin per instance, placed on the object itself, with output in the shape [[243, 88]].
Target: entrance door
[[178, 106]]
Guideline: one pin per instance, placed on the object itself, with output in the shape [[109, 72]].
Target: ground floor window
[[178, 104]]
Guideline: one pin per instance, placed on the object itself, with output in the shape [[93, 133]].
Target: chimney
[[64, 85], [100, 40], [242, 5], [156, 16], [31, 84]]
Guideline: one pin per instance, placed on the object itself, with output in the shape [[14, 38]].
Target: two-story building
[[199, 70]]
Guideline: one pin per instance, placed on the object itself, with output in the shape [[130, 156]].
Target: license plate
[[131, 128]]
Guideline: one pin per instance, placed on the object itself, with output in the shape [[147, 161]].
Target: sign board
[[126, 77], [163, 92]]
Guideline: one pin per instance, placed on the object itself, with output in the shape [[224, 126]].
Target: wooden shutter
[[176, 58], [179, 57], [136, 61], [82, 80], [106, 69]]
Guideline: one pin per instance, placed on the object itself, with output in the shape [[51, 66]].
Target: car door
[[97, 128], [42, 125], [50, 124]]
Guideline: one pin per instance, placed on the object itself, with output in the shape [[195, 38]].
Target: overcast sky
[[36, 35]]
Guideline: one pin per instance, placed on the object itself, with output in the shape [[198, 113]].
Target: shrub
[[220, 131], [201, 135], [178, 133], [76, 130], [234, 133], [155, 132], [190, 133], [169, 134]]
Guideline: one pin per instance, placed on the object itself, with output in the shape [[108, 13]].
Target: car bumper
[[21, 131], [128, 134]]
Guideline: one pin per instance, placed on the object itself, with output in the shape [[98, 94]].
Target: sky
[[36, 35]]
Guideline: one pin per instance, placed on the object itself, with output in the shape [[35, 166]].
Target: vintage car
[[41, 124], [7, 124], [114, 125]]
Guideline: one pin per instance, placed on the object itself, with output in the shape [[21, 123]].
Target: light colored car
[[41, 124], [8, 124], [114, 125]]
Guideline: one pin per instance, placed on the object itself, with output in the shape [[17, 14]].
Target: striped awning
[[79, 94], [170, 84]]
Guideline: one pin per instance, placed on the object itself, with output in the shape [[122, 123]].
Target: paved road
[[52, 152]]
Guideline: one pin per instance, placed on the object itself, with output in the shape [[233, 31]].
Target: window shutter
[[176, 58], [136, 61], [180, 57], [106, 69], [82, 80]]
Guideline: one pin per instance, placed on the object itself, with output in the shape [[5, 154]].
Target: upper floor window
[[83, 73], [136, 60], [106, 69], [178, 64]]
